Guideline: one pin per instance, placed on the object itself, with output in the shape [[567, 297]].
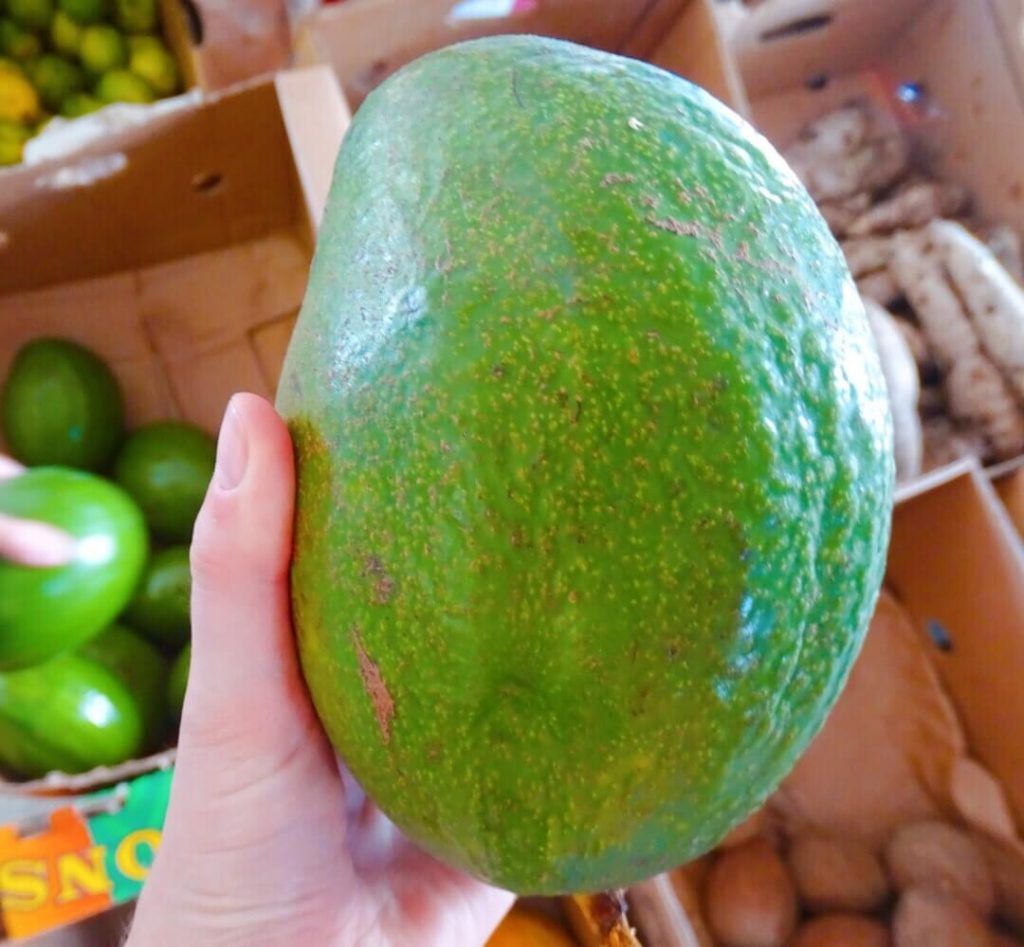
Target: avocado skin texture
[[594, 464]]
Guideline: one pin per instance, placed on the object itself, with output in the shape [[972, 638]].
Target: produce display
[[594, 464], [933, 273], [72, 57], [86, 649]]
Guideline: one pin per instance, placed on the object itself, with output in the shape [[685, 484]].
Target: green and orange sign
[[91, 856]]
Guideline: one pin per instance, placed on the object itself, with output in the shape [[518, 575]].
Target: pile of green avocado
[[94, 654]]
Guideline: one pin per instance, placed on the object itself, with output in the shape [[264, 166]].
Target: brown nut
[[942, 857], [841, 930], [837, 874], [750, 898], [927, 918]]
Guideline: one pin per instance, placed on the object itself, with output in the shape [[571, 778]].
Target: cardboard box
[[367, 40], [220, 43]]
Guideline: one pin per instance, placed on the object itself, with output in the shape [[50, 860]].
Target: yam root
[[910, 208], [837, 874], [994, 301], [903, 386], [750, 898], [977, 394], [879, 287], [928, 918], [876, 165], [943, 858], [841, 930], [841, 213]]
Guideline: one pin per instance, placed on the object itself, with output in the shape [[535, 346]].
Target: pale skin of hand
[[266, 842], [27, 542]]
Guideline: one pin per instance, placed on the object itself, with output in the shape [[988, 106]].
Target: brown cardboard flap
[[316, 118], [367, 40], [694, 48], [886, 753], [958, 567], [191, 181]]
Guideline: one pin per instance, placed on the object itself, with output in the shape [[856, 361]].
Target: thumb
[[243, 655]]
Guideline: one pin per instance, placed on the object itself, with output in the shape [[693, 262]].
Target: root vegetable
[[927, 918], [944, 858], [977, 394], [902, 383], [837, 874], [879, 287], [866, 255], [910, 208], [841, 930], [750, 898], [994, 301]]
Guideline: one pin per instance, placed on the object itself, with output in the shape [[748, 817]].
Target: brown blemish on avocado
[[383, 583], [376, 689]]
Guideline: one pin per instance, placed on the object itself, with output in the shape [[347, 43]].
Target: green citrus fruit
[[178, 681], [143, 671], [85, 12], [167, 467], [80, 104], [44, 612], [68, 715], [120, 85], [160, 609], [61, 405], [157, 66], [18, 43], [102, 49], [33, 15], [55, 79], [136, 16], [66, 35], [13, 136]]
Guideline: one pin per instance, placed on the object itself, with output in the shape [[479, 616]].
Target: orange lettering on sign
[[33, 879]]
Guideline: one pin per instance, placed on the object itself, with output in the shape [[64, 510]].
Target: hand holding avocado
[[250, 745]]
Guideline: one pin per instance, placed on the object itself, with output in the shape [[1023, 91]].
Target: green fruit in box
[[56, 79], [44, 612], [10, 65], [60, 404], [594, 464], [17, 42], [13, 136], [102, 49], [136, 16], [84, 12], [160, 609], [66, 35], [178, 681], [80, 104], [157, 67], [68, 715], [167, 467], [33, 15], [120, 85], [141, 669]]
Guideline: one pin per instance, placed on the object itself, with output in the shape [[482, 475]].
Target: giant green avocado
[[594, 464]]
